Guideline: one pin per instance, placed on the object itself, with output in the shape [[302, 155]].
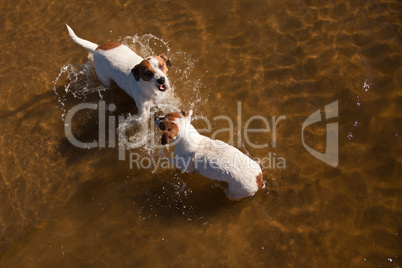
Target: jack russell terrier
[[142, 79], [213, 159]]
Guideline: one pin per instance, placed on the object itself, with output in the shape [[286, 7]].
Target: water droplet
[[366, 85]]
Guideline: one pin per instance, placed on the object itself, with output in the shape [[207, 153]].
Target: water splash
[[76, 84], [358, 101], [366, 85]]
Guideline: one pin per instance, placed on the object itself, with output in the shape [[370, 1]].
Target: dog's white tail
[[82, 42]]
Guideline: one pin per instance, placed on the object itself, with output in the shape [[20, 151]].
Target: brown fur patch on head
[[173, 116], [107, 46], [165, 59], [170, 117], [144, 71], [260, 182], [170, 131]]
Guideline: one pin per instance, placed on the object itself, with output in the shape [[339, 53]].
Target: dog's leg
[[144, 110], [233, 195], [230, 196]]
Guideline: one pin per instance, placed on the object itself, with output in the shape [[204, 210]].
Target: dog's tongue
[[162, 87]]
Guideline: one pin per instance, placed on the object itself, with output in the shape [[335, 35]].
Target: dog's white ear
[[190, 113], [136, 72]]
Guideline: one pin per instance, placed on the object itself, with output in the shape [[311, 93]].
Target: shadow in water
[[30, 105], [85, 122], [175, 197]]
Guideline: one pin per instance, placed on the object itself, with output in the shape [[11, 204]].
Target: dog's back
[[113, 61], [223, 162]]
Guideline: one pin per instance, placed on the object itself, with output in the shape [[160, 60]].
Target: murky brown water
[[62, 206]]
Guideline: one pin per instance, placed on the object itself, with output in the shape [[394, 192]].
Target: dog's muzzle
[[162, 86]]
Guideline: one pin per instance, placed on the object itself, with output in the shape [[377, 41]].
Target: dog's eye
[[161, 67], [149, 73]]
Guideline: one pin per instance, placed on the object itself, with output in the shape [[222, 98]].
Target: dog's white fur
[[117, 63], [213, 159]]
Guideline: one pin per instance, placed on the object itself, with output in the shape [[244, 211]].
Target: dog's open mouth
[[162, 87]]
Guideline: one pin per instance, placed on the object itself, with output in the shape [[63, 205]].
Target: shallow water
[[66, 206]]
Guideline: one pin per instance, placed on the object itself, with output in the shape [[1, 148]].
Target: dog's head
[[153, 70], [170, 124]]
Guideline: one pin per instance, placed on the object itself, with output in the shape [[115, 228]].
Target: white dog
[[213, 159], [142, 79]]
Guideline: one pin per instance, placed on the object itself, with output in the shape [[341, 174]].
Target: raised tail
[[82, 42]]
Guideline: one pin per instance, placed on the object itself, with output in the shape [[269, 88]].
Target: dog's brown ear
[[166, 59], [136, 72], [165, 137], [162, 125]]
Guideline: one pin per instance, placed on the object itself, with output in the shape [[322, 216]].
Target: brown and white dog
[[213, 159], [143, 79]]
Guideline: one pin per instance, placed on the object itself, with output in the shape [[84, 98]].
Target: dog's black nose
[[161, 80]]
